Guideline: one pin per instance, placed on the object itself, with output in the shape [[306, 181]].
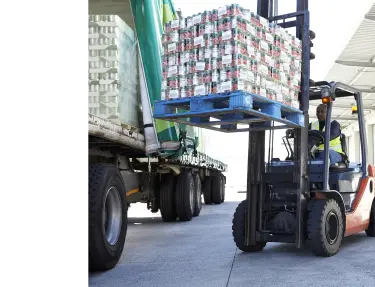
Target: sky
[[333, 21]]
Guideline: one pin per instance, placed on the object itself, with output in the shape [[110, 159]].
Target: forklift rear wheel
[[197, 194], [370, 231], [185, 196], [217, 188], [168, 198], [325, 227], [238, 230], [207, 190]]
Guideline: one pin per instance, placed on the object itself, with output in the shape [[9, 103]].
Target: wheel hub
[[112, 215], [332, 227]]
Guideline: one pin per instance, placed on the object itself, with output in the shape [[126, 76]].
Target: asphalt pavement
[[202, 253]]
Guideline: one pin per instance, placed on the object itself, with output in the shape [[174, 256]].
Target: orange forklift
[[302, 200]]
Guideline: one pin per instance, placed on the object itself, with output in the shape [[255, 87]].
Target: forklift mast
[[256, 151]]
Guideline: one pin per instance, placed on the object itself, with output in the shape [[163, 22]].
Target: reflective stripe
[[132, 191], [334, 144]]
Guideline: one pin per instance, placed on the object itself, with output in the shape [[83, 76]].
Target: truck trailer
[[122, 169]]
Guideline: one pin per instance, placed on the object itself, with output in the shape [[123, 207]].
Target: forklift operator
[[335, 149]]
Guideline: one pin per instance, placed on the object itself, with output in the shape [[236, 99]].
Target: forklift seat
[[343, 144], [344, 164], [338, 166]]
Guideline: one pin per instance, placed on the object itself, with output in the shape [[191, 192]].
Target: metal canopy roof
[[355, 67]]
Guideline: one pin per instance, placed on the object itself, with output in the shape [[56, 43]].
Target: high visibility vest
[[334, 144]]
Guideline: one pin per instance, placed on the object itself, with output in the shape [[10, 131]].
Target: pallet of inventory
[[227, 110], [216, 54]]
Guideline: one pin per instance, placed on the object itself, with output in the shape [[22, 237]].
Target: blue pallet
[[229, 109]]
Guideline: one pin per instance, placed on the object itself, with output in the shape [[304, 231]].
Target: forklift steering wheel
[[316, 138]]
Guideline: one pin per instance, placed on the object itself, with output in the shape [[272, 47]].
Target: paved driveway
[[202, 253]]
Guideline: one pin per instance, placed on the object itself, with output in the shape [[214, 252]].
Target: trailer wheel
[[223, 189], [197, 194], [370, 231], [107, 216], [238, 230], [185, 196], [325, 227], [168, 198], [207, 195], [217, 189]]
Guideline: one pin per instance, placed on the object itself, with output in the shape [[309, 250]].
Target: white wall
[[354, 148]]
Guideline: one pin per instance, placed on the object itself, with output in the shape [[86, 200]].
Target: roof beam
[[343, 106], [370, 17], [338, 118], [356, 63]]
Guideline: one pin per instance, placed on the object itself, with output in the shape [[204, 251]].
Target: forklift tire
[[207, 195], [325, 228], [217, 188], [238, 230], [223, 189], [185, 196], [108, 220], [370, 231], [168, 198], [197, 194]]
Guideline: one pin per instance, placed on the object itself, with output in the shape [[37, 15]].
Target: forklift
[[302, 200]]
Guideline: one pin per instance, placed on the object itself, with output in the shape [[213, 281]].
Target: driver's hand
[[313, 151]]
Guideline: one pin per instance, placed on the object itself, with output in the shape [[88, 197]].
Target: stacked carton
[[230, 49], [112, 70]]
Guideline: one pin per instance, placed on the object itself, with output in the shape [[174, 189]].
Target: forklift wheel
[[370, 231], [238, 230], [325, 227]]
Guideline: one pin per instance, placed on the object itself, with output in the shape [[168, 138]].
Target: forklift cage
[[256, 150]]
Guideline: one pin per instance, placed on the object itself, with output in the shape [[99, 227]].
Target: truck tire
[[238, 230], [207, 190], [370, 231], [185, 196], [325, 228], [108, 219], [223, 189], [217, 189], [168, 198], [197, 194]]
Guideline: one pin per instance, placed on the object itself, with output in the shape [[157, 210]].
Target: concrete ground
[[202, 253]]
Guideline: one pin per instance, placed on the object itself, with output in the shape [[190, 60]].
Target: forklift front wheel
[[325, 227], [238, 230]]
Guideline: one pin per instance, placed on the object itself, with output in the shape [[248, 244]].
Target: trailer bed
[[109, 136], [104, 133]]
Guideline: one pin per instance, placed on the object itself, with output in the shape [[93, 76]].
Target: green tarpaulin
[[150, 15]]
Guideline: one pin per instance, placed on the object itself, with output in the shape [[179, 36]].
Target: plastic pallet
[[228, 110]]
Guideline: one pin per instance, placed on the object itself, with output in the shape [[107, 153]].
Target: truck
[[128, 160]]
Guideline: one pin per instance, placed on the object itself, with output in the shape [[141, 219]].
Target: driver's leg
[[334, 156]]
